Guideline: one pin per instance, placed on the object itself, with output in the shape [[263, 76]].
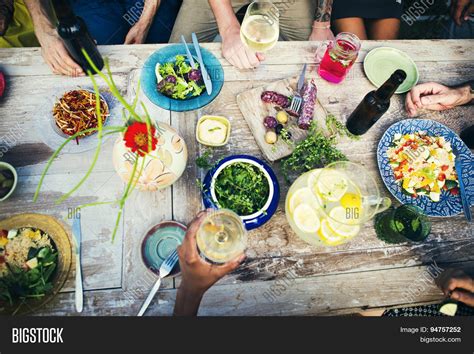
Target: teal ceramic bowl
[[168, 54], [159, 242]]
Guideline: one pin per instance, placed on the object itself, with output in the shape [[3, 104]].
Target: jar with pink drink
[[338, 58]]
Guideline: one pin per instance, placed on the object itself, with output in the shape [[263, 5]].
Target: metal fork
[[165, 269], [297, 100]]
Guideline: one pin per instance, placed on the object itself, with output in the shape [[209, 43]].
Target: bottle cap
[[399, 76]]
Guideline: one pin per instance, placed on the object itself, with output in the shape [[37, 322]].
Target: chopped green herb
[[335, 127], [242, 188], [313, 152], [203, 161]]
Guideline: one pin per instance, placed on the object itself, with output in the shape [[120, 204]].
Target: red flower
[[136, 138]]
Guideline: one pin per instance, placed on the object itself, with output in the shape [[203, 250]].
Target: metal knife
[[188, 53], [301, 79], [205, 75], [76, 230], [462, 189]]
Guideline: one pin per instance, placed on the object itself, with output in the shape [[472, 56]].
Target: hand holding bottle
[[53, 49], [56, 55]]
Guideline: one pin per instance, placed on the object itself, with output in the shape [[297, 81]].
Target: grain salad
[[28, 259]]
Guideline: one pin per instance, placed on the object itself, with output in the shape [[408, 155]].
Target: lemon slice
[[306, 219], [302, 196], [312, 185], [449, 309], [332, 185], [341, 224], [328, 236], [351, 200], [313, 179]]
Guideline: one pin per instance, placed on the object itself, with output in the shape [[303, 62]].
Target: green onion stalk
[[129, 116]]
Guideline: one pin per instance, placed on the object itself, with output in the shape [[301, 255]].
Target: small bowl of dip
[[213, 130]]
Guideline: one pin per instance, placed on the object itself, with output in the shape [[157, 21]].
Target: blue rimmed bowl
[[168, 54], [449, 204], [258, 218]]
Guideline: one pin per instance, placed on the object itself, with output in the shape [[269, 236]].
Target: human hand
[[56, 55], [461, 10], [137, 34], [436, 97], [236, 52], [197, 275], [321, 32], [457, 285]]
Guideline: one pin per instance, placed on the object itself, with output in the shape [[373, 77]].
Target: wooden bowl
[[63, 244]]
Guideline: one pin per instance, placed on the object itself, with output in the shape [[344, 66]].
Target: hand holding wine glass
[[197, 274], [260, 28], [236, 52]]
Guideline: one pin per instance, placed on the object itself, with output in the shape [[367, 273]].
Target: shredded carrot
[[75, 111]]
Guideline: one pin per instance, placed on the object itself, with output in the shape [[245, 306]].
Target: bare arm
[[52, 47], [323, 11], [322, 21], [225, 16], [39, 15], [197, 275], [139, 30]]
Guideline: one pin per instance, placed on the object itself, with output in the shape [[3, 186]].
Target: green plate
[[381, 62]]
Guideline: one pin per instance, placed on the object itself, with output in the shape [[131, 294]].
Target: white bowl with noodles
[[61, 133], [52, 135]]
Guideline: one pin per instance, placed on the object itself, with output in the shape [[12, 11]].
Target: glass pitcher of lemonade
[[329, 206]]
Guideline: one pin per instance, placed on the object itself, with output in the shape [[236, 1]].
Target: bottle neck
[[386, 91]]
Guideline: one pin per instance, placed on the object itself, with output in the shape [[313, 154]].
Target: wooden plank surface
[[365, 273]]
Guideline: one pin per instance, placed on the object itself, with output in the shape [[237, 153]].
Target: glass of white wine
[[261, 26], [222, 236]]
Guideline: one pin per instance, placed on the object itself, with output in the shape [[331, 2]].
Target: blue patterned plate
[[260, 217], [168, 54], [448, 205]]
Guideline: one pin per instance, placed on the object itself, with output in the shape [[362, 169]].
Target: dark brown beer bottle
[[467, 135], [76, 36], [374, 105]]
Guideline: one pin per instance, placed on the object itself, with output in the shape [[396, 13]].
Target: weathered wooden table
[[283, 275]]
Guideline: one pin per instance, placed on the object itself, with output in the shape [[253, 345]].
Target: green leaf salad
[[178, 80]]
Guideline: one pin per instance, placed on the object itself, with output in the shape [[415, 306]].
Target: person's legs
[[196, 16], [160, 30], [383, 29], [296, 19], [104, 19], [353, 25]]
